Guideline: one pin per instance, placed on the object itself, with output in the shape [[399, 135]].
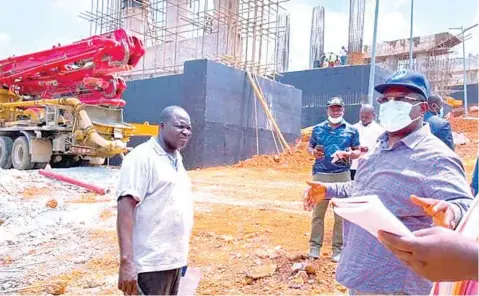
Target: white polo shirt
[[368, 135], [163, 218]]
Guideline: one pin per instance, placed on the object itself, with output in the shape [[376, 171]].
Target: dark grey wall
[[318, 85], [221, 104], [457, 92]]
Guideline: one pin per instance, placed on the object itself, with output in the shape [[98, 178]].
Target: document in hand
[[369, 213]]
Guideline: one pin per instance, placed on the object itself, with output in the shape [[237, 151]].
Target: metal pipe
[[464, 73], [93, 188], [373, 56], [411, 36]]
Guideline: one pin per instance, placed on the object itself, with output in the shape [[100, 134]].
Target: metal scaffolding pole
[[463, 33], [411, 36], [372, 70]]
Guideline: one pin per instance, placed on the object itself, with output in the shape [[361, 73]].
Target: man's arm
[[445, 134], [124, 226], [355, 145], [132, 188], [437, 254], [339, 190]]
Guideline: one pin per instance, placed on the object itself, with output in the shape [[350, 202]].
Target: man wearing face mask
[[334, 143], [440, 127], [407, 160]]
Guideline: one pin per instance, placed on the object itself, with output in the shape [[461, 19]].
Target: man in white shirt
[[155, 210], [369, 131]]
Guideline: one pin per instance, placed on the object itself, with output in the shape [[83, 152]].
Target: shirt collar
[[413, 139], [158, 149]]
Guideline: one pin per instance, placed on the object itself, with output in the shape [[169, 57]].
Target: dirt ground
[[55, 238]]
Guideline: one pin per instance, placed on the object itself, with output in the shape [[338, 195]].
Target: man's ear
[[424, 107]]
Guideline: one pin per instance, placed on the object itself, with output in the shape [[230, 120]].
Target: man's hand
[[343, 155], [442, 212], [127, 278], [313, 194], [437, 254], [318, 152]]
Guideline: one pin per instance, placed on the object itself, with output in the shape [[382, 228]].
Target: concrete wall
[[221, 104], [318, 85]]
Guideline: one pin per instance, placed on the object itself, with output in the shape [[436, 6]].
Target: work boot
[[314, 252], [336, 257]]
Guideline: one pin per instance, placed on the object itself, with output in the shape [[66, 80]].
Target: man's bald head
[[366, 114], [435, 103], [170, 112]]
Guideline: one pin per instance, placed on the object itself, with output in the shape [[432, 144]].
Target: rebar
[[240, 33]]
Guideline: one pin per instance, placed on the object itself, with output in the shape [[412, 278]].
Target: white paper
[[369, 213]]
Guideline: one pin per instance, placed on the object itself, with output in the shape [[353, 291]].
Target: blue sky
[[32, 25]]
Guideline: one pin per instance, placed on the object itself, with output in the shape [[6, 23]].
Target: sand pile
[[298, 160]]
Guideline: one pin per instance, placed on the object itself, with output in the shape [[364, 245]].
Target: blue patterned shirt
[[341, 138], [419, 164]]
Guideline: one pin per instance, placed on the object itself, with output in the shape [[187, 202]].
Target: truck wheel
[[21, 158], [6, 144]]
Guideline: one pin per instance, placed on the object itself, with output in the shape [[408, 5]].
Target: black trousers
[[164, 282], [353, 173]]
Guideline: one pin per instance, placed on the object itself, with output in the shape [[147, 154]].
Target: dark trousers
[[164, 282], [353, 173]]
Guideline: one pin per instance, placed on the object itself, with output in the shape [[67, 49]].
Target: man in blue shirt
[[475, 178], [334, 143], [440, 127]]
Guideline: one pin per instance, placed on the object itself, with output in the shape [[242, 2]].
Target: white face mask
[[394, 115], [335, 120]]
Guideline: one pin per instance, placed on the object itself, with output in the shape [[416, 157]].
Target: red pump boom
[[85, 69]]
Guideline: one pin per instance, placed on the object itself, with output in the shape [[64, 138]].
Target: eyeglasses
[[406, 99]]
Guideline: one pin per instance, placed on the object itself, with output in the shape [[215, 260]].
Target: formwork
[[229, 125], [318, 85]]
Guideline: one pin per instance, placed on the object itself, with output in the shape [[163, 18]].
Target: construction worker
[[331, 140], [407, 160], [343, 56], [369, 131], [155, 210], [440, 127]]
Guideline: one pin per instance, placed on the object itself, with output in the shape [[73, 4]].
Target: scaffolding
[[316, 42], [432, 55], [252, 35]]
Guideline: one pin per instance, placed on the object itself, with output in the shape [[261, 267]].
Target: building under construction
[[200, 51]]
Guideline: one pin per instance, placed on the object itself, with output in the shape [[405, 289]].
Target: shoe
[[314, 252], [336, 257]]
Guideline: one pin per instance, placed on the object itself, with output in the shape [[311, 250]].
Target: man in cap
[[334, 143], [440, 127], [408, 161]]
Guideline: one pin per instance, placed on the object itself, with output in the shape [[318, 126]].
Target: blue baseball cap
[[409, 79]]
